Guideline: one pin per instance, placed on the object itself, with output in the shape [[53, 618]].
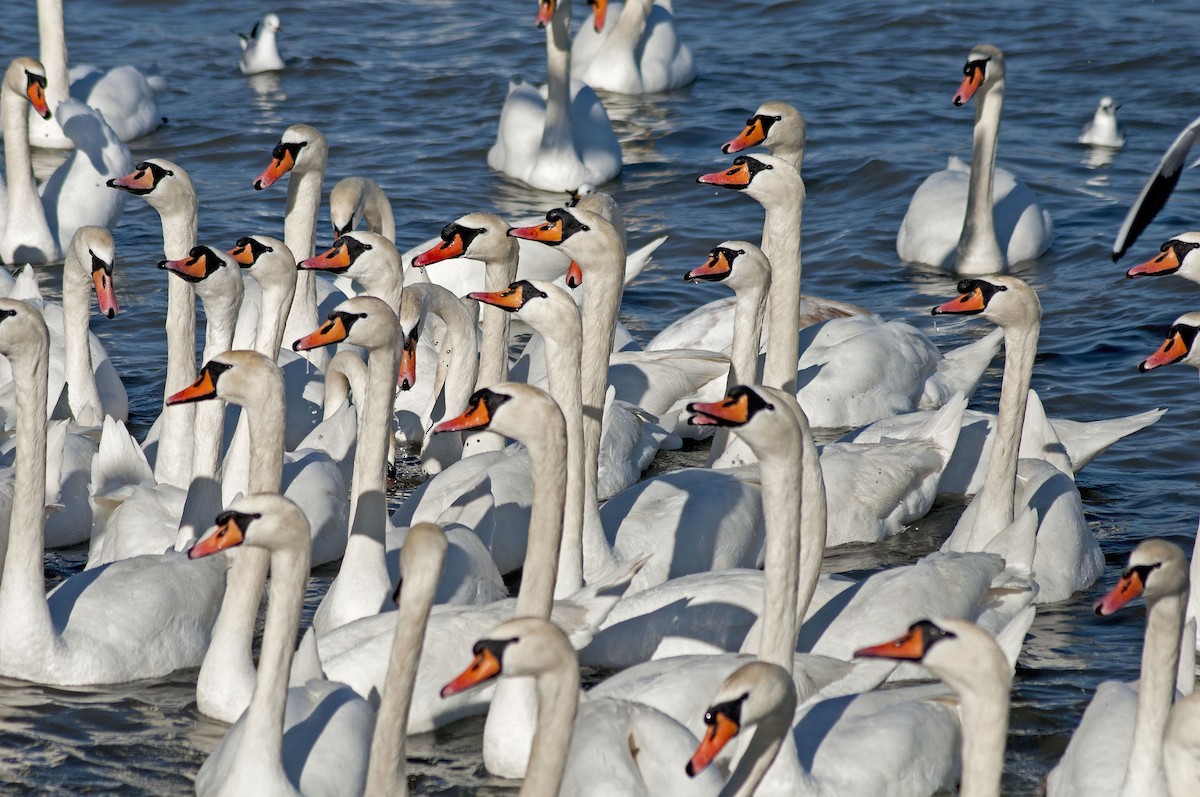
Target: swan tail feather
[[1084, 441], [639, 258], [961, 370]]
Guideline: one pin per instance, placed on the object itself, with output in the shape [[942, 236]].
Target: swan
[[1156, 191], [777, 126], [328, 753], [38, 229], [1118, 746], [1103, 130], [581, 747], [168, 189], [854, 369], [632, 48], [558, 138], [1002, 222], [1066, 556], [124, 97], [1176, 256], [259, 51], [356, 198], [143, 617]]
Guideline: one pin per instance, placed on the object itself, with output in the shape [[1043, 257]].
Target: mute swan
[[259, 51], [355, 198], [123, 96], [1002, 224], [1102, 130], [328, 754], [557, 138], [1066, 557], [855, 369], [139, 618], [581, 747], [1156, 191], [1177, 256], [777, 126], [1118, 746], [631, 48], [38, 229]]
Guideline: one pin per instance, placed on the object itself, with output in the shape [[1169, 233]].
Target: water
[[409, 94]]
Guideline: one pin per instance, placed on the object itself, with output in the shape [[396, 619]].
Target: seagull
[[259, 53], [1102, 131]]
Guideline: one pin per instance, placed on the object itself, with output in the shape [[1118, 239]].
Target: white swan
[[1103, 130], [1118, 746], [852, 370], [1002, 223], [1066, 557], [124, 97], [558, 138], [327, 755], [356, 198], [581, 747], [259, 51], [631, 48], [40, 223], [139, 618], [1177, 255], [777, 126]]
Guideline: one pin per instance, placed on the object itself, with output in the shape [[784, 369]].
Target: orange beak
[[727, 412], [106, 293], [736, 177], [408, 364], [752, 136], [476, 417], [551, 232], [1165, 263], [971, 83], [242, 254], [485, 667], [599, 13], [36, 91], [138, 182], [336, 259], [332, 331], [574, 275], [205, 387], [192, 269], [226, 535], [1172, 351], [967, 303], [443, 251], [716, 268], [910, 647], [276, 169], [546, 9], [507, 299], [719, 733], [1129, 587]]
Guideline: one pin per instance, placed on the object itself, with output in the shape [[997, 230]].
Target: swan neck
[[374, 427], [173, 464], [558, 702], [781, 509], [748, 311], [762, 749], [300, 235], [220, 318], [548, 453], [1156, 691], [25, 210], [985, 707], [632, 22], [814, 519], [557, 132], [562, 369], [781, 245], [82, 391], [493, 349], [228, 666], [276, 302], [977, 243], [52, 37]]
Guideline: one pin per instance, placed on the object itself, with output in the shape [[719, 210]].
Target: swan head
[[1004, 300], [1176, 256], [92, 250], [161, 182], [479, 236], [1157, 569], [240, 376], [984, 65], [264, 520], [301, 148], [265, 258], [739, 264], [202, 263], [764, 178], [544, 306], [362, 321], [526, 646], [753, 692], [27, 77], [412, 313], [775, 123], [587, 237], [366, 256], [1179, 347], [22, 329], [514, 409]]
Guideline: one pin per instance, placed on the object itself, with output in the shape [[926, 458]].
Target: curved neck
[[977, 242], [781, 245], [557, 132], [300, 235], [24, 210], [558, 701], [548, 454], [997, 498], [83, 395], [275, 305], [378, 212], [762, 749], [463, 365], [1156, 692], [173, 462]]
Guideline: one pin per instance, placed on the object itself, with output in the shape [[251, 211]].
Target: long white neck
[[558, 702], [227, 674], [557, 133], [978, 252], [300, 235], [23, 588], [748, 309], [264, 716], [814, 517], [386, 772], [173, 463], [984, 697], [52, 36], [83, 395], [463, 366], [997, 498], [763, 748], [1156, 693], [498, 274], [24, 214], [781, 245], [781, 508], [363, 581], [220, 317]]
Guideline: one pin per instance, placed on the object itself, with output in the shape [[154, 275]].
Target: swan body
[[637, 50], [1002, 222], [559, 137], [260, 53], [1102, 130]]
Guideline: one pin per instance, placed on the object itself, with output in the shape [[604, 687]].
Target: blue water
[[409, 94]]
